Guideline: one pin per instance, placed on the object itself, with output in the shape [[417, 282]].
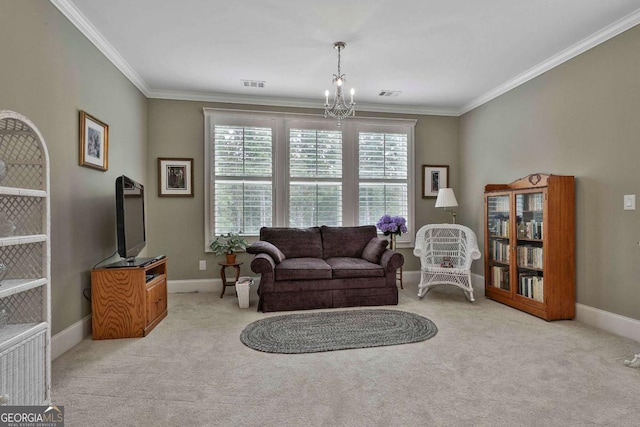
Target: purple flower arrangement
[[392, 225]]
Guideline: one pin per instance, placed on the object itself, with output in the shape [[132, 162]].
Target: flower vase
[[392, 241]]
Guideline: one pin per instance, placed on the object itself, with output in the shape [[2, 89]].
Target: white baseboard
[[610, 322], [70, 337], [194, 285]]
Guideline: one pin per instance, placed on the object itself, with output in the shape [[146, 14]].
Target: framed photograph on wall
[[433, 179], [175, 177], [94, 142]]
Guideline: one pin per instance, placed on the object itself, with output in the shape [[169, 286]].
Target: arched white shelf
[[25, 254]]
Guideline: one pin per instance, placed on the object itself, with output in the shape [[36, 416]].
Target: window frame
[[280, 124]]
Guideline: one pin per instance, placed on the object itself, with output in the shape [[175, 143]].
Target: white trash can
[[242, 289]]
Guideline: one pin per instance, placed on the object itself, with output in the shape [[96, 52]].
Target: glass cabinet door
[[529, 246], [498, 232]]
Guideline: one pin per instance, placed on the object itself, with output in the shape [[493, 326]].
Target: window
[[315, 177], [243, 179], [383, 175], [294, 170]]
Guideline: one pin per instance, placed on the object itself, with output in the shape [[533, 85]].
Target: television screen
[[130, 217]]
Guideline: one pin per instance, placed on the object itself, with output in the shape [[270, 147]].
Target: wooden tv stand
[[124, 303]]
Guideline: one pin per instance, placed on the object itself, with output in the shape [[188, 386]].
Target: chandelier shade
[[339, 109]]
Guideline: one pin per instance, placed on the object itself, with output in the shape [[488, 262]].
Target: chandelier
[[339, 109]]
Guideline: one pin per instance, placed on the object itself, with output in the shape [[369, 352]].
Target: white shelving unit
[[25, 302]]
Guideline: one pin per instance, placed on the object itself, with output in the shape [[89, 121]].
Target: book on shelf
[[499, 251], [504, 230], [500, 228], [500, 277], [530, 256], [530, 230], [531, 286]]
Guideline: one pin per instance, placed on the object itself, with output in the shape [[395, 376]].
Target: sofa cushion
[[354, 267], [303, 269], [374, 249], [262, 247], [346, 241], [294, 242]]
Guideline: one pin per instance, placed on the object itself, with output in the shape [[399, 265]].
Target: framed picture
[[94, 142], [433, 179], [175, 177]]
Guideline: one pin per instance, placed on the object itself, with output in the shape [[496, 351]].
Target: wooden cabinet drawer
[[156, 298]]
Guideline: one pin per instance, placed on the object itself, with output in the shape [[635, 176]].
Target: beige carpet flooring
[[489, 365]]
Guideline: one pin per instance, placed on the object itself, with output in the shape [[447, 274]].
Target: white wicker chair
[[435, 243]]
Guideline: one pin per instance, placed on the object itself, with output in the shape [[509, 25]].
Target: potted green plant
[[228, 244]]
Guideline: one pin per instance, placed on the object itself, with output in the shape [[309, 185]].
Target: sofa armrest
[[262, 247], [391, 260], [262, 263]]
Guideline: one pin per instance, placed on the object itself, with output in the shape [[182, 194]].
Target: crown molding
[[590, 42], [295, 102], [81, 22], [76, 17]]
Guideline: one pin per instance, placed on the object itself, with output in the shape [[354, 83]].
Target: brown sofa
[[324, 267]]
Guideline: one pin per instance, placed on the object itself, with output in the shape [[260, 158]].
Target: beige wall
[[581, 118], [49, 72], [176, 225]]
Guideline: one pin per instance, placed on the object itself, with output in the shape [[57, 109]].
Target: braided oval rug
[[336, 330]]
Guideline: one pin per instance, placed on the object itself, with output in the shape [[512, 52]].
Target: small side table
[[223, 275]]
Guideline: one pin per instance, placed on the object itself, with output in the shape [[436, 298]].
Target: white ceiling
[[446, 57]]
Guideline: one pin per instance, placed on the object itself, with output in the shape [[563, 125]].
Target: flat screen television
[[130, 223]]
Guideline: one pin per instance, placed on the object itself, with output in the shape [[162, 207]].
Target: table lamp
[[447, 199]]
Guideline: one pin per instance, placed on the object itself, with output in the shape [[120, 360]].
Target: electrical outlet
[[203, 264]]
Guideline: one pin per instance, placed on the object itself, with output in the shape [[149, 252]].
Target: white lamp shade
[[446, 198]]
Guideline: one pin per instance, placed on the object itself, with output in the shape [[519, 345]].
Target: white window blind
[[315, 177], [243, 194], [383, 175]]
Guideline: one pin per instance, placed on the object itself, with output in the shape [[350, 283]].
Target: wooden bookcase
[[125, 303], [529, 245]]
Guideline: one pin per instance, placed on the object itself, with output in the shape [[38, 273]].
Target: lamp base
[[453, 215]]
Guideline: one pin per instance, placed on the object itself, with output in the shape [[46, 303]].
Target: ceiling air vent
[[253, 83], [390, 93]]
